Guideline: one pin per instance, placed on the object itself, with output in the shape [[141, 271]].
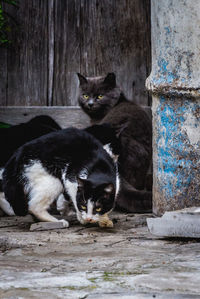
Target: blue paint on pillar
[[176, 159]]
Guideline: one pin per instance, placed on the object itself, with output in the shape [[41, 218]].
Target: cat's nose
[[89, 220], [90, 103]]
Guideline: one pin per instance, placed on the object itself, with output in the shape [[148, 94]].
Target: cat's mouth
[[91, 108], [94, 112], [90, 220], [85, 222]]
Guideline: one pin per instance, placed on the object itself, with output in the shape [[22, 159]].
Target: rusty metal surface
[[175, 85]]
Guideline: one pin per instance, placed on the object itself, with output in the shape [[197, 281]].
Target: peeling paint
[[191, 126], [166, 75]]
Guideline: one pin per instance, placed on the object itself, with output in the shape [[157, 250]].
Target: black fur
[[133, 128], [106, 134]]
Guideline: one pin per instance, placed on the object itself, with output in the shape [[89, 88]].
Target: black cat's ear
[[110, 80], [82, 79]]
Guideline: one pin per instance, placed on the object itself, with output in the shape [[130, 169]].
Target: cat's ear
[[110, 80], [80, 183], [109, 189], [82, 79]]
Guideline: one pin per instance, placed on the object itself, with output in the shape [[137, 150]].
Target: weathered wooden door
[[57, 38]]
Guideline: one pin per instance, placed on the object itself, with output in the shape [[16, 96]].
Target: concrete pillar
[[175, 86]]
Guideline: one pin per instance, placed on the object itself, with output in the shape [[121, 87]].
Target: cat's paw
[[106, 223], [80, 219], [65, 222], [62, 205]]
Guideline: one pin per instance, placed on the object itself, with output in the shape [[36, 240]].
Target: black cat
[[104, 102], [69, 161], [15, 136]]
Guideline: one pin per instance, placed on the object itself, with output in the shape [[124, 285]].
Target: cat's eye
[[100, 97], [98, 209], [85, 96], [83, 207]]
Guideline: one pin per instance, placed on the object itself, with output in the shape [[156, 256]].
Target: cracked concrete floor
[[90, 262]]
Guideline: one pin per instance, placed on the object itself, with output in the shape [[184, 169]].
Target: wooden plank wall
[[64, 116], [57, 38]]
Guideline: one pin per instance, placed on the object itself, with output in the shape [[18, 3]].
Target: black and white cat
[[68, 161], [104, 102]]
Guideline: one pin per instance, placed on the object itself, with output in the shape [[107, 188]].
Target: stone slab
[[91, 262], [181, 223]]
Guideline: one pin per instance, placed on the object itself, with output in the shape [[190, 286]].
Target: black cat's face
[[98, 95], [93, 202]]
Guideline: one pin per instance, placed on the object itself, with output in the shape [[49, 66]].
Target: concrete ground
[[90, 262]]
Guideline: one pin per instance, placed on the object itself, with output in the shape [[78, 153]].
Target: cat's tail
[[1, 177], [13, 189], [15, 196], [132, 200], [4, 204]]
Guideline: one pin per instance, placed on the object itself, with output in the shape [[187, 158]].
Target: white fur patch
[[1, 173], [115, 159], [43, 189], [88, 216], [90, 207], [5, 206], [64, 174], [71, 189], [62, 205], [108, 149], [83, 174], [117, 181]]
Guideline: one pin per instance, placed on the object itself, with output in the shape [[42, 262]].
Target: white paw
[[82, 221], [65, 222]]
